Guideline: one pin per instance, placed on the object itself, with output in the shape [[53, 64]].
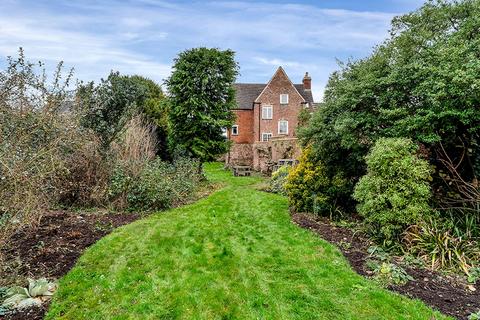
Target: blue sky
[[144, 36]]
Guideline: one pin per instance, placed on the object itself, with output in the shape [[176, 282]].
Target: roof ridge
[[256, 83]]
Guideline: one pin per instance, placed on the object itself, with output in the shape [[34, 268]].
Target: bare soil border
[[445, 293]]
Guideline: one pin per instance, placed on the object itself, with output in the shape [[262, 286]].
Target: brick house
[[267, 119]]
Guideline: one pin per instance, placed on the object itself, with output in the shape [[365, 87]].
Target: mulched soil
[[51, 249], [448, 294]]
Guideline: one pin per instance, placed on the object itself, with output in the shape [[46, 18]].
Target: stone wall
[[240, 154], [274, 150]]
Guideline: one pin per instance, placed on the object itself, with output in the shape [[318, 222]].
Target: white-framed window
[[283, 127], [224, 132], [235, 130], [266, 136], [284, 99], [267, 112]]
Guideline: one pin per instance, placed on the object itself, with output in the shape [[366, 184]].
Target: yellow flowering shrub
[[310, 188]]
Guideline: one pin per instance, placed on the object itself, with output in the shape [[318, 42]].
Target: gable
[[279, 81]]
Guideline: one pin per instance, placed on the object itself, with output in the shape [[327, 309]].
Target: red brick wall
[[245, 127], [280, 84]]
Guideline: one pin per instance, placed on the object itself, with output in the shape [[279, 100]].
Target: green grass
[[233, 255]]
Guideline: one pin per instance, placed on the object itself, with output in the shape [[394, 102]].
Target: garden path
[[233, 255]]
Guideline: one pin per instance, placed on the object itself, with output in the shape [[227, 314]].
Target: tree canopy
[[422, 83], [107, 106], [202, 97]]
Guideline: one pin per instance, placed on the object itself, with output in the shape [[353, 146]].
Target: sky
[[144, 36]]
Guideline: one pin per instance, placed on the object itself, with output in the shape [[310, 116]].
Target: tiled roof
[[246, 93], [306, 94]]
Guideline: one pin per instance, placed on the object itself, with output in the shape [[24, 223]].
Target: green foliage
[[159, 185], [278, 180], [304, 117], [310, 188], [378, 253], [421, 83], [394, 193], [474, 316], [389, 273], [202, 96], [474, 275], [107, 107]]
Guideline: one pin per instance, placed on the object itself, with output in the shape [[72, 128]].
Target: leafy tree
[[105, 108], [108, 106], [202, 96], [421, 83], [155, 107]]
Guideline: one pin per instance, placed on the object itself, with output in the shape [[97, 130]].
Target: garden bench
[[242, 171]]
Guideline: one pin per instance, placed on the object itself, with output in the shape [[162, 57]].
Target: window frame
[[284, 95], [237, 129], [265, 107], [279, 126], [269, 134]]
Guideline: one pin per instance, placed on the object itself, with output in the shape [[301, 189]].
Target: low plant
[[434, 241], [474, 275], [37, 292], [387, 273], [395, 192], [378, 253], [278, 180], [474, 316]]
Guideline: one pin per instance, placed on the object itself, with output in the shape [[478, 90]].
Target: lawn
[[233, 255]]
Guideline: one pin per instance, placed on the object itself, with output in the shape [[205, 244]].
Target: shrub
[[394, 193], [87, 175], [160, 185], [400, 91], [278, 180], [311, 189], [35, 140]]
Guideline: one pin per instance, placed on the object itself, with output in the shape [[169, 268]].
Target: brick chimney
[[307, 82]]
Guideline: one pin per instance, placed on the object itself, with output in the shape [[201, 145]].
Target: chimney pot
[[307, 82]]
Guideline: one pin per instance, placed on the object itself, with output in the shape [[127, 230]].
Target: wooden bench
[[242, 171]]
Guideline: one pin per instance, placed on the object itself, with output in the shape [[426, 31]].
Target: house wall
[[244, 120], [280, 84]]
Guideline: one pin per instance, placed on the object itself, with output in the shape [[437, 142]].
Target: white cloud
[[143, 36]]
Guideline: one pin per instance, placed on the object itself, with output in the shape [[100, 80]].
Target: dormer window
[[284, 99]]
